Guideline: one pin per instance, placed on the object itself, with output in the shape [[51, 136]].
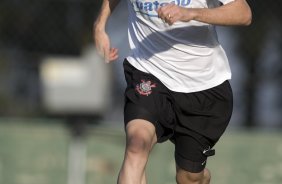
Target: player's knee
[[138, 144], [185, 177]]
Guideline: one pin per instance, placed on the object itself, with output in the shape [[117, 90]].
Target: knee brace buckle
[[209, 152]]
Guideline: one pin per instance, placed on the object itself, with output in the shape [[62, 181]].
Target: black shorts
[[192, 121]]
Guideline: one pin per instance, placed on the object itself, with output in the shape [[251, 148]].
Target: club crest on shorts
[[145, 87]]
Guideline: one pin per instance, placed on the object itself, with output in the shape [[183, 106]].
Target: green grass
[[36, 152]]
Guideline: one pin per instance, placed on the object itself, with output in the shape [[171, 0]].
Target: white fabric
[[226, 1], [186, 57]]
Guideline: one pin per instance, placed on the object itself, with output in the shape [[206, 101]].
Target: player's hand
[[102, 43], [172, 13]]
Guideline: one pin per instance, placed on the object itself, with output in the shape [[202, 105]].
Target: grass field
[[36, 152]]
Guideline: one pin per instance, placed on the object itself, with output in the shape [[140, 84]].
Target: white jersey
[[186, 56]]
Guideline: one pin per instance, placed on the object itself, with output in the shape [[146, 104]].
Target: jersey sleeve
[[226, 1]]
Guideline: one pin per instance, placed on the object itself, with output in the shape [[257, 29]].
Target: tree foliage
[[252, 43], [47, 26]]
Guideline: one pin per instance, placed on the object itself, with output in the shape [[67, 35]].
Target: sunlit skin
[[103, 47], [172, 13]]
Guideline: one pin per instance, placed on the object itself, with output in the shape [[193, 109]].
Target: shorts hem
[[138, 112], [188, 165]]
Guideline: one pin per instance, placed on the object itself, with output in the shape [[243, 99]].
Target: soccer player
[[177, 81]]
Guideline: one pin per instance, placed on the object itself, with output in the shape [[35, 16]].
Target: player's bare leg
[[185, 177], [140, 138]]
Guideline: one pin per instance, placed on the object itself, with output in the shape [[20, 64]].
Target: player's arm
[[101, 38], [236, 12]]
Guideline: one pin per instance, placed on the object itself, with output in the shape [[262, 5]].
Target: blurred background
[[61, 110]]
